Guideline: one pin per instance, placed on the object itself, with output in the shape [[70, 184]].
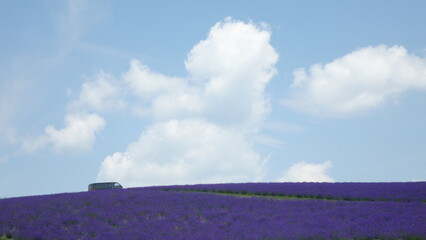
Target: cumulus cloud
[[228, 72], [162, 97], [201, 123], [307, 172], [182, 152], [230, 46], [78, 134], [233, 65], [356, 82]]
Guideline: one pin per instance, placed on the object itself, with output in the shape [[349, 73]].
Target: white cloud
[[307, 172], [233, 65], [201, 123], [182, 152], [356, 82], [78, 134], [227, 75], [162, 97], [81, 127], [103, 94], [147, 84], [233, 49]]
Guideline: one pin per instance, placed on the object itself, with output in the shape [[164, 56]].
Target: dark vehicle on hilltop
[[104, 185]]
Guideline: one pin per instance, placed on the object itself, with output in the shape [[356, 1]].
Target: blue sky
[[167, 92]]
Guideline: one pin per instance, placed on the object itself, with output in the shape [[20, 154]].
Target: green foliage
[[413, 238], [273, 195]]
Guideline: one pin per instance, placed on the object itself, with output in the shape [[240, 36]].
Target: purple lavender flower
[[152, 213]]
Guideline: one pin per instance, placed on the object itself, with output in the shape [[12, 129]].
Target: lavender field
[[165, 213]]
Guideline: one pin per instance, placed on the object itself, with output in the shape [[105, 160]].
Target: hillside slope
[[153, 213]]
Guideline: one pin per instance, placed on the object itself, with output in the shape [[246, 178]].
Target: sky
[[186, 92]]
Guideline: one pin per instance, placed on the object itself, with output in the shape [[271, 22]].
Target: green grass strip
[[279, 196], [249, 195]]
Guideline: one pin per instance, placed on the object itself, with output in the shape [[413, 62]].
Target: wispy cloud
[[103, 50], [267, 140], [4, 159], [71, 19], [11, 103], [71, 22], [282, 127]]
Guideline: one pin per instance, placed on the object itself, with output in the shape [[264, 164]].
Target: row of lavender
[[406, 192], [143, 213]]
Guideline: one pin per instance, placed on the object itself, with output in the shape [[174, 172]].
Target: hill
[[217, 211]]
